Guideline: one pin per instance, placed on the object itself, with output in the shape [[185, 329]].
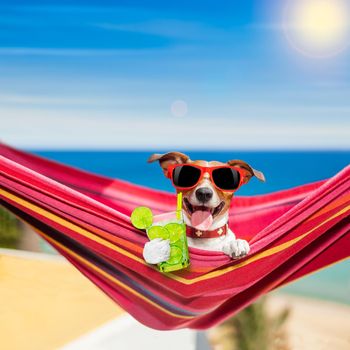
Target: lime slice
[[175, 231], [157, 232], [175, 255], [142, 217]]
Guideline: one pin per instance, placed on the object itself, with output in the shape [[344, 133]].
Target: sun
[[318, 27]]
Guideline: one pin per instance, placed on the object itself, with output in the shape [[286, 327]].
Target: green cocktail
[[171, 226], [168, 226]]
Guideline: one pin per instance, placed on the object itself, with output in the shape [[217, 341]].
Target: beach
[[314, 323]]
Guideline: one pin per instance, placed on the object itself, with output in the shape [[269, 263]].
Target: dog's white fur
[[158, 250]]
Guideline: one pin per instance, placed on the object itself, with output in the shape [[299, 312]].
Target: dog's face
[[206, 197], [205, 202]]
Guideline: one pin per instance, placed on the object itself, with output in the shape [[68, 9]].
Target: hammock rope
[[85, 216]]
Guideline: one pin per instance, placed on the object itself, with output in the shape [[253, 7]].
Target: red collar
[[194, 233]]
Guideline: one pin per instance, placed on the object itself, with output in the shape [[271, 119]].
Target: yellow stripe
[[314, 271], [108, 276], [263, 254], [70, 225], [328, 208], [209, 275]]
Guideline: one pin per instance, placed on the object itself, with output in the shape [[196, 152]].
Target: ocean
[[282, 169]]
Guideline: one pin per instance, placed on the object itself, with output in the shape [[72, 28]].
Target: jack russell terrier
[[207, 189]]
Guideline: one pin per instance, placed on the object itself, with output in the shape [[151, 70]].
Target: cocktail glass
[[171, 226]]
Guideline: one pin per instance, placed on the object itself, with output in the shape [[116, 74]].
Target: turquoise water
[[282, 170]]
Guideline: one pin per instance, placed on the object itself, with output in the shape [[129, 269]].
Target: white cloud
[[46, 100], [168, 28], [37, 51], [50, 129], [18, 100]]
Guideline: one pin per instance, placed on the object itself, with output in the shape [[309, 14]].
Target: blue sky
[[103, 74]]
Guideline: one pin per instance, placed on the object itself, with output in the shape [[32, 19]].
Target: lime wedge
[[157, 232], [142, 217], [175, 255], [175, 231]]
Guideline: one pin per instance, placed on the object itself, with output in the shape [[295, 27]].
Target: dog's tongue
[[201, 219]]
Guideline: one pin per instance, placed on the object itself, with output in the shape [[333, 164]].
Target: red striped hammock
[[292, 233]]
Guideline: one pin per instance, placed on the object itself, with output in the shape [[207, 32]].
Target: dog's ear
[[247, 170], [168, 158]]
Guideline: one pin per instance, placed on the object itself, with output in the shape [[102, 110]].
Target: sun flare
[[318, 27]]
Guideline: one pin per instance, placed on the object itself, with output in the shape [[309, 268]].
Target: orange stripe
[[70, 225], [266, 253], [311, 272], [116, 239], [180, 279], [329, 207], [108, 276]]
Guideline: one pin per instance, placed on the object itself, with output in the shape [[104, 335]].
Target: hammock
[[292, 233]]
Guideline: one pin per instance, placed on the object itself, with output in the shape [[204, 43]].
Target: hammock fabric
[[292, 233]]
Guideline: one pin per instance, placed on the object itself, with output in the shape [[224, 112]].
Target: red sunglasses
[[224, 177]]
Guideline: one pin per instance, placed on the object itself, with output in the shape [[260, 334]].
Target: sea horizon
[[283, 169]]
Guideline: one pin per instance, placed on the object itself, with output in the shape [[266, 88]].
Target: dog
[[205, 208]]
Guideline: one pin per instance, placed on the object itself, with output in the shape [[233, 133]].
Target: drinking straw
[[179, 206]]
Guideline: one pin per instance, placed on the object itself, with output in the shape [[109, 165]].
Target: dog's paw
[[237, 248], [156, 251]]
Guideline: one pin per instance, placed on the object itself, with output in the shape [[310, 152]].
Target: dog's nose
[[204, 194]]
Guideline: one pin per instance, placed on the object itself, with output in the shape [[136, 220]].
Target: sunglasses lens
[[186, 176], [226, 178]]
